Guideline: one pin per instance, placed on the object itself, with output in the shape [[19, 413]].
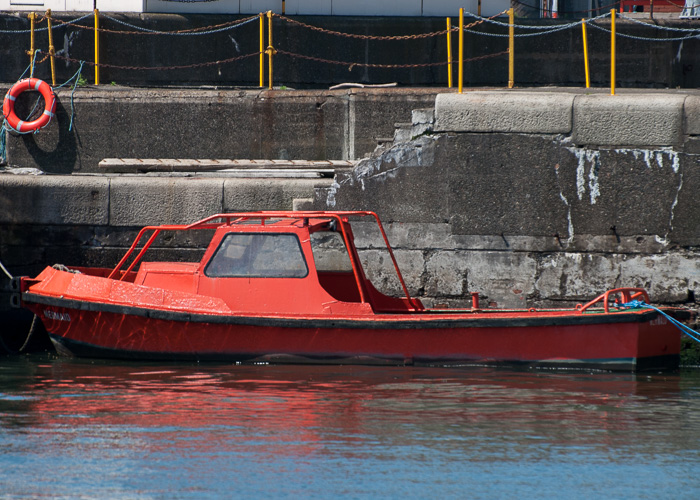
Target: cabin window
[[270, 255], [330, 253]]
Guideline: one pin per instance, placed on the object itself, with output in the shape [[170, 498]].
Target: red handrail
[[628, 294]]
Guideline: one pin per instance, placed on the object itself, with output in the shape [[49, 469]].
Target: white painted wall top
[[412, 8]]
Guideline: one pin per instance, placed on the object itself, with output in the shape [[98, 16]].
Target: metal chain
[[204, 30], [647, 39], [160, 68], [667, 28], [61, 24], [384, 66], [381, 37], [544, 28]]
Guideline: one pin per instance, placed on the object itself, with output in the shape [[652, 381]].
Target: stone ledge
[[510, 112], [48, 199], [691, 110], [640, 120]]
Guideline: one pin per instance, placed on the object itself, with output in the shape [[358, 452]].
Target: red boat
[[289, 287]]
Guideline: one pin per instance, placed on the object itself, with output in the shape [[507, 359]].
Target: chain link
[[647, 39], [161, 68], [382, 37], [204, 30], [62, 23], [383, 66], [667, 28]]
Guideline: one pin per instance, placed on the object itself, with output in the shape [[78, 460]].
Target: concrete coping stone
[[691, 109], [642, 119], [515, 112], [639, 119]]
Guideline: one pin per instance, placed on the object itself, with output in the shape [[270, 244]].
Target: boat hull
[[628, 341]]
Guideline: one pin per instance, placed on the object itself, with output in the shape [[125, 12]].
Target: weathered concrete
[[692, 115], [132, 201], [54, 200], [112, 122], [529, 113], [523, 218], [639, 120], [535, 218]]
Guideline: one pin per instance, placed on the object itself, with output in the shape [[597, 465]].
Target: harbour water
[[97, 429]]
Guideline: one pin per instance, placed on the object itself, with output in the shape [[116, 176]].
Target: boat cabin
[[274, 262]]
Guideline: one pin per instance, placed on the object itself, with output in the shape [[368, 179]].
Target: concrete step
[[228, 168]]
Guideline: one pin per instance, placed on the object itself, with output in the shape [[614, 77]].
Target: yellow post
[[270, 49], [283, 9], [585, 53], [478, 8], [460, 73], [612, 52], [97, 47], [449, 53], [32, 18], [52, 49], [511, 48], [262, 49]]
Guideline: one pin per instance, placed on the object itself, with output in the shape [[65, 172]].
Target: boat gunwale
[[397, 321]]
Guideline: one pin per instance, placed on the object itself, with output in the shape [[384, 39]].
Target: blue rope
[[76, 76], [683, 328]]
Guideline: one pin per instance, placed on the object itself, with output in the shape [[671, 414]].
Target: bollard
[[449, 53], [511, 48], [612, 52], [270, 49], [97, 47], [460, 73], [262, 49], [32, 19], [585, 53], [52, 49]]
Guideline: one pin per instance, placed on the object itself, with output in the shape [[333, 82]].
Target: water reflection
[[81, 428]]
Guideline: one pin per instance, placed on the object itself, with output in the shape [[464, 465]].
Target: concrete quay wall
[[529, 198], [114, 122], [538, 198]]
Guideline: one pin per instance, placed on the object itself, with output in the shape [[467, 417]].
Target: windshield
[[255, 255]]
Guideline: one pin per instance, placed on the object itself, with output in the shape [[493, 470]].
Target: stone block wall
[[540, 198]]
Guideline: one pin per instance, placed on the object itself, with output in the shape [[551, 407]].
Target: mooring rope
[[32, 329], [7, 273], [683, 328]]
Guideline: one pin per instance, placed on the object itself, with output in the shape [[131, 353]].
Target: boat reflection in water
[[78, 428]]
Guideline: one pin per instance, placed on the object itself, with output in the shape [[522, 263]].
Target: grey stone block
[[519, 112], [577, 276], [53, 199], [640, 120], [668, 277], [691, 112], [142, 201], [243, 195], [505, 278]]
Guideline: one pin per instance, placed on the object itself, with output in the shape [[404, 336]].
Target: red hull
[[290, 287], [624, 341]]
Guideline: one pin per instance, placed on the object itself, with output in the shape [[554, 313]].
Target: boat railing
[[626, 294], [236, 217]]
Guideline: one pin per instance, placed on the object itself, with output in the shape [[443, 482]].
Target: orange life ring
[[8, 105]]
